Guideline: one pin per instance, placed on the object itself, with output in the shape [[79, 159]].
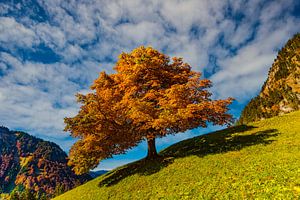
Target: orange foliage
[[148, 97]]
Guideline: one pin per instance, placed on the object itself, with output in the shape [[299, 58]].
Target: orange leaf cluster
[[149, 96]]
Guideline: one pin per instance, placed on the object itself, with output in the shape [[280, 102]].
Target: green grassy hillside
[[257, 161]]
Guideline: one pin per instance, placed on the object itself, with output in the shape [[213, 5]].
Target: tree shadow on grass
[[231, 139]]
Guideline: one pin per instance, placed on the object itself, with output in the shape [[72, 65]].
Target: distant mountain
[[281, 92], [95, 174], [30, 163]]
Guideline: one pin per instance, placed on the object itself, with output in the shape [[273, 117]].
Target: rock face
[[281, 92], [27, 162]]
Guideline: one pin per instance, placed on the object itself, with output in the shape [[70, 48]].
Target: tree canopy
[[149, 96]]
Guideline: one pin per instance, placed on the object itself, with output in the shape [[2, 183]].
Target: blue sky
[[50, 50]]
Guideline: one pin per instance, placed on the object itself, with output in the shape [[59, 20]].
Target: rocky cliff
[[281, 91]]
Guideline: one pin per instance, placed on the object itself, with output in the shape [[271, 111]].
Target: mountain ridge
[[30, 163], [280, 93]]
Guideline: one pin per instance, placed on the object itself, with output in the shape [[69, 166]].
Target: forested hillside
[[29, 164], [281, 91]]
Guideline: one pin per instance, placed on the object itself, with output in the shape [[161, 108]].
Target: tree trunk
[[152, 153]]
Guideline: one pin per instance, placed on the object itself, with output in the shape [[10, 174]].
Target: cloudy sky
[[50, 50]]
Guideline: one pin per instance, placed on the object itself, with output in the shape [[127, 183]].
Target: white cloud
[[184, 14], [143, 32], [15, 34], [29, 93], [52, 36], [241, 75]]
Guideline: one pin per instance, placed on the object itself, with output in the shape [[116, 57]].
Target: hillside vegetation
[[255, 161], [34, 166], [281, 91]]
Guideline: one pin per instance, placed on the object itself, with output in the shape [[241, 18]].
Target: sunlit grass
[[257, 161]]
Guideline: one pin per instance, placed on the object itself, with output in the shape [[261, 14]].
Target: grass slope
[[257, 161]]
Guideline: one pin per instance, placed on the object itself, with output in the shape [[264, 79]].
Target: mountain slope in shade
[[95, 174], [281, 92], [27, 162]]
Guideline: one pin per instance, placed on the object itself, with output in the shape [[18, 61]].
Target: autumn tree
[[148, 97]]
